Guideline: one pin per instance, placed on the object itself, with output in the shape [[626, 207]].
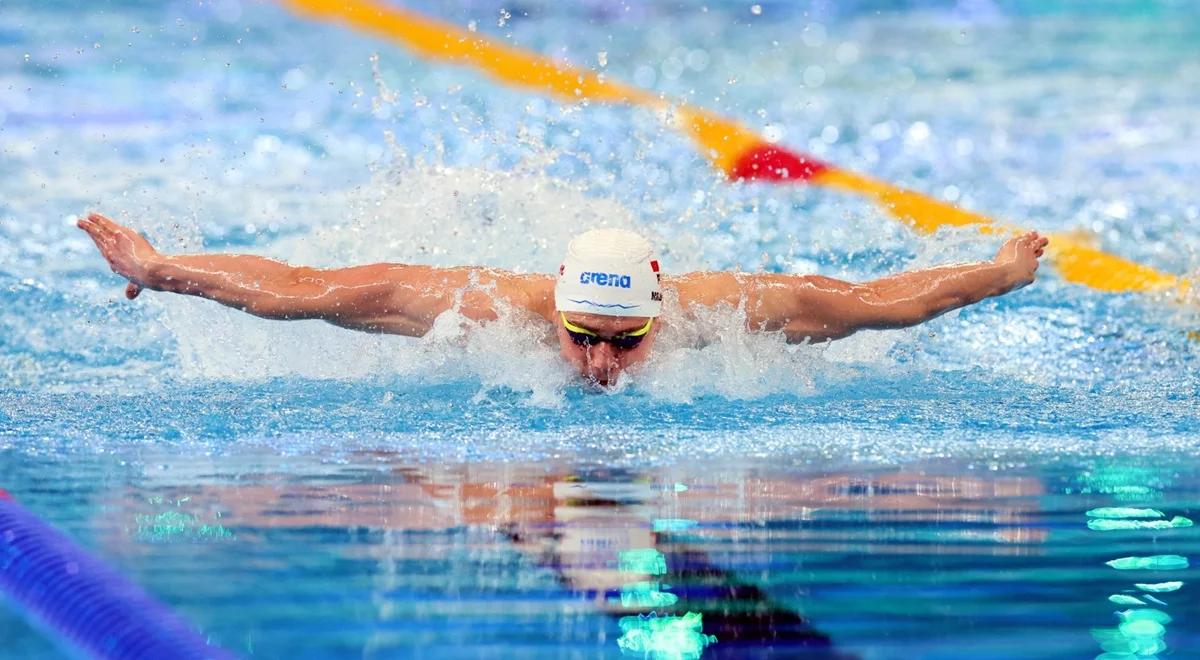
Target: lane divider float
[[67, 591], [736, 150]]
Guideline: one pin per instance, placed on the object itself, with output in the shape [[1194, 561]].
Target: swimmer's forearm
[[390, 298], [394, 298], [257, 285], [246, 282], [918, 296]]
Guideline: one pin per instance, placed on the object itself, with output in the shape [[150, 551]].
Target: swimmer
[[605, 304]]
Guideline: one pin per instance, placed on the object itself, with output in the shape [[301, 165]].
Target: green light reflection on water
[[1124, 512], [673, 524], [646, 595], [1105, 525], [1152, 563], [1142, 630], [1124, 483], [664, 637], [174, 525], [649, 635], [1145, 614], [645, 561], [1159, 587]]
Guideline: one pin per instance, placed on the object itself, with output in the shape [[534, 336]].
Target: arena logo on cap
[[605, 279]]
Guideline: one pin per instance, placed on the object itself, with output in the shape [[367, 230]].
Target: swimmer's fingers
[[101, 228], [1038, 244], [89, 226], [125, 250], [1034, 241], [109, 226], [98, 234], [117, 237]]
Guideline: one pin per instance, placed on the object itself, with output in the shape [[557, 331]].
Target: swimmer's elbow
[[292, 295], [276, 310], [873, 311]]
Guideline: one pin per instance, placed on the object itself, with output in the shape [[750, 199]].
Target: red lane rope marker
[[737, 151]]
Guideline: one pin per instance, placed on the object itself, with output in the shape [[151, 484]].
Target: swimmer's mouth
[[600, 382]]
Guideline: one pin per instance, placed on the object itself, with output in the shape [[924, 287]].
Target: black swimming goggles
[[624, 341]]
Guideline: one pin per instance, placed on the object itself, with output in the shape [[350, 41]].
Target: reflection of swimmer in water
[[604, 304], [582, 524]]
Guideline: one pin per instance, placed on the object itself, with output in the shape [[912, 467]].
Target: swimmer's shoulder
[[715, 288], [705, 288], [533, 291], [481, 286]]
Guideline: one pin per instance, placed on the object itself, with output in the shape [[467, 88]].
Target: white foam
[[517, 220]]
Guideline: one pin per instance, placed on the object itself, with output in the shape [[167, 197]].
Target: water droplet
[[644, 76], [814, 76], [847, 53], [602, 58], [918, 132], [814, 35], [756, 10]]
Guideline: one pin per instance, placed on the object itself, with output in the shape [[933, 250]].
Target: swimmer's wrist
[[156, 273], [1007, 276]]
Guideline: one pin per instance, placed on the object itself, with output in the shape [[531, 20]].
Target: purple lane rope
[[77, 596]]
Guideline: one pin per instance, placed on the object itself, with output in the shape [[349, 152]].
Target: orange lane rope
[[736, 150]]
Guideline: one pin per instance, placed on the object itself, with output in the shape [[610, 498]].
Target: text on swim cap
[[605, 279]]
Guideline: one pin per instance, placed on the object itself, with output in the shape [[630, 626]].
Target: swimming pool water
[[295, 489]]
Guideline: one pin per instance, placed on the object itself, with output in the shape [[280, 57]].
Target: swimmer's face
[[602, 361]]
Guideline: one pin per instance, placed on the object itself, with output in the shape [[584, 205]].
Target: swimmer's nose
[[602, 361]]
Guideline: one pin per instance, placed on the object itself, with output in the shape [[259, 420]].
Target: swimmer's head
[[607, 299]]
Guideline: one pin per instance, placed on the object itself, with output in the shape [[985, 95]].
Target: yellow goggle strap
[[584, 331]]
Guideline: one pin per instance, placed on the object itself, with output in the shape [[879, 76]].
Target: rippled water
[[283, 551], [296, 489]]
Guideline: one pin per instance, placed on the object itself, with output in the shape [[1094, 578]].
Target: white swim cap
[[609, 271]]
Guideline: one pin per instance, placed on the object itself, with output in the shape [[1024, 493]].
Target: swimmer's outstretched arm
[[819, 308], [391, 298], [827, 309]]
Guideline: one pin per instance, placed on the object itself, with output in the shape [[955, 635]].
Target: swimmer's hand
[[128, 253], [1019, 258]]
